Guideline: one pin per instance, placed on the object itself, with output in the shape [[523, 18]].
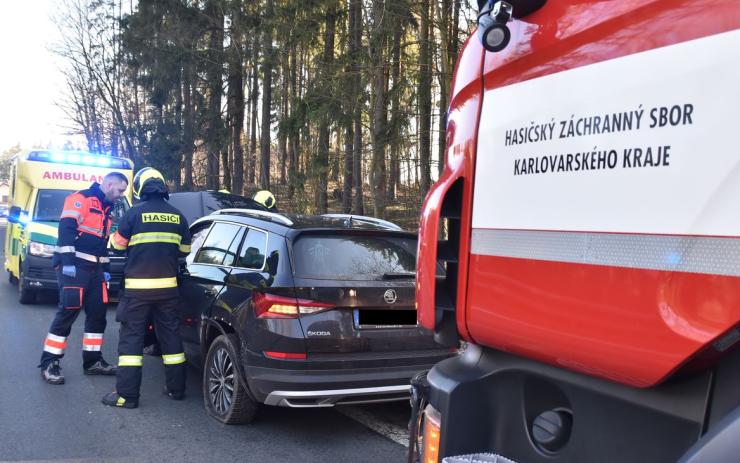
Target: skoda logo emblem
[[390, 296]]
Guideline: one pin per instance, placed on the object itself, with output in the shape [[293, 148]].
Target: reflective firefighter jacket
[[155, 234], [84, 227]]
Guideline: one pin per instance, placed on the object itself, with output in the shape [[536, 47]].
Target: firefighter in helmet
[[154, 235], [267, 199]]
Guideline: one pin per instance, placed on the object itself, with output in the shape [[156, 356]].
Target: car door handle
[[209, 292]]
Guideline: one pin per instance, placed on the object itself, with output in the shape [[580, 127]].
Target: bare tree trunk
[[349, 98], [447, 49], [253, 97], [393, 178], [347, 177], [214, 124], [378, 42], [334, 154], [176, 156], [425, 98], [294, 132], [236, 100], [355, 43], [283, 133], [266, 96], [189, 124], [322, 156]]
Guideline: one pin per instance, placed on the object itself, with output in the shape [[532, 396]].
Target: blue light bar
[[79, 158]]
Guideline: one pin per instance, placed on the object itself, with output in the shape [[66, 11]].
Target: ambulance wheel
[[225, 395], [25, 295], [12, 279]]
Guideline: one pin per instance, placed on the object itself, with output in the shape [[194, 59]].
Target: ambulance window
[[49, 204]]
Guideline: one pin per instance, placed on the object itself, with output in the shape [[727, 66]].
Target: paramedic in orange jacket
[[83, 268]]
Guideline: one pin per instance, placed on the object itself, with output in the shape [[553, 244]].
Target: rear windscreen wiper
[[399, 276]]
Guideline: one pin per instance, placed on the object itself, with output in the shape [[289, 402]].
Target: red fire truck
[[590, 204]]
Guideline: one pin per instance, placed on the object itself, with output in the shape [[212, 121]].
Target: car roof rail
[[365, 219], [257, 213]]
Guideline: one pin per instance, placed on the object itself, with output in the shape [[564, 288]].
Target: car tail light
[[432, 420], [271, 306]]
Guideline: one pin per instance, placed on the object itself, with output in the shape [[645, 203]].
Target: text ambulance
[[591, 203], [40, 180]]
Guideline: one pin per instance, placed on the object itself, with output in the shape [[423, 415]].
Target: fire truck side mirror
[[521, 8], [492, 30]]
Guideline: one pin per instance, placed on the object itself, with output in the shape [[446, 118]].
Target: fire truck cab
[[589, 203]]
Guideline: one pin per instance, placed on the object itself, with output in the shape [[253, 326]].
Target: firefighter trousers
[[83, 291], [134, 315]]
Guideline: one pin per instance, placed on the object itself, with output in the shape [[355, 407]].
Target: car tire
[[25, 295], [225, 394]]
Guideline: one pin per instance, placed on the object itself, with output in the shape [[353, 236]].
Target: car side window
[[199, 235], [252, 254], [219, 247]]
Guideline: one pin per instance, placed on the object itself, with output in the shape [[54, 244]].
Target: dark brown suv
[[302, 311]]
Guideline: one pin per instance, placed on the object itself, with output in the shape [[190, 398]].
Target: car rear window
[[353, 257]]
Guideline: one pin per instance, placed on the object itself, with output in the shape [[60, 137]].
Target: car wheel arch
[[211, 330]]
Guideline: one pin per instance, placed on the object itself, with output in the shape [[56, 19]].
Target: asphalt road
[[41, 422]]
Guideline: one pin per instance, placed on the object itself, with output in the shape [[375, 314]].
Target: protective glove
[[69, 270], [106, 276]]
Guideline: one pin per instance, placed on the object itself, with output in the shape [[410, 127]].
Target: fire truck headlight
[[40, 249]]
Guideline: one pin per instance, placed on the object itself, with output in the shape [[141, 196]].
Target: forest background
[[333, 105]]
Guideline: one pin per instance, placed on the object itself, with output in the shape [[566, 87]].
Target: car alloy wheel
[[225, 394], [221, 381]]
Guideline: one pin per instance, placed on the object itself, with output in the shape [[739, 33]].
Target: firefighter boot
[[52, 374], [174, 395], [112, 399], [101, 367]]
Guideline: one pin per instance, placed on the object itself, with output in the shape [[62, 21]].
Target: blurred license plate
[[385, 318]]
